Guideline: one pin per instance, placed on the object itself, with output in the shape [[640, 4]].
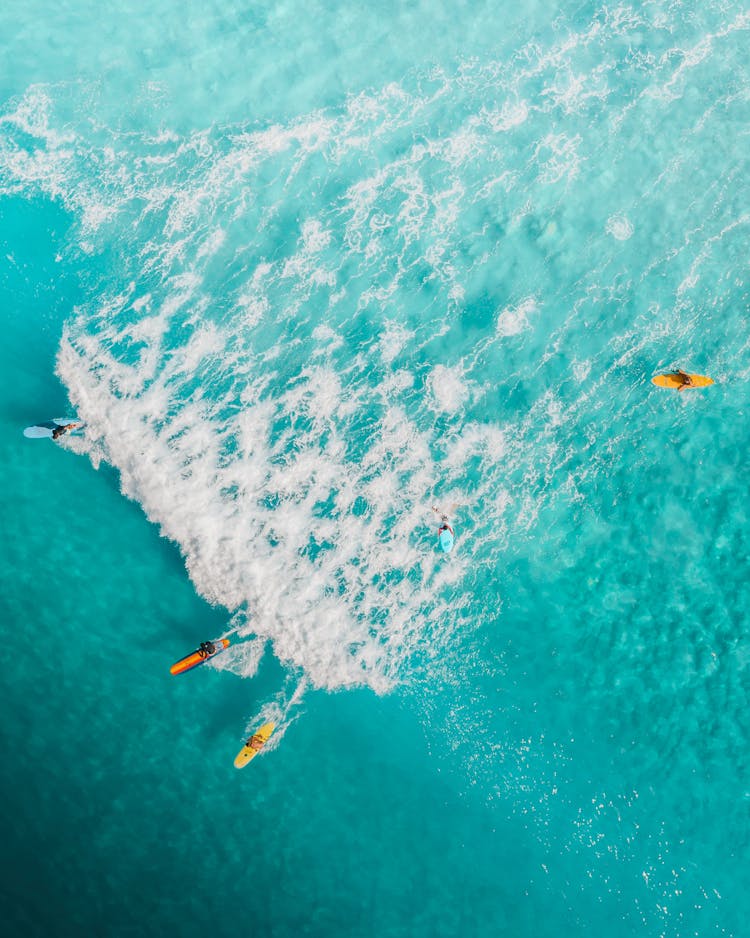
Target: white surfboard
[[43, 431]]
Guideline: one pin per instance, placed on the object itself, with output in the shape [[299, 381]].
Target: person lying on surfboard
[[685, 380], [446, 533], [445, 527], [256, 742], [61, 430], [206, 649]]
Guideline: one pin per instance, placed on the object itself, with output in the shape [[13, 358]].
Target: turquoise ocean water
[[307, 270]]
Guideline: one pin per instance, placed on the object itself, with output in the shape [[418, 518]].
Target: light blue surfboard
[[445, 539]]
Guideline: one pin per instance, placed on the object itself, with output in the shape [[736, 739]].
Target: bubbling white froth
[[326, 589]]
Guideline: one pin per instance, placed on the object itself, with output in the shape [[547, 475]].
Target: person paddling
[[684, 378], [256, 742], [206, 649], [62, 430], [446, 534]]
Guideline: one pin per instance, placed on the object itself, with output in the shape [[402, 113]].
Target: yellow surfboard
[[673, 381], [254, 745]]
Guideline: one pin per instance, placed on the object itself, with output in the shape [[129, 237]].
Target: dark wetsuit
[[61, 430]]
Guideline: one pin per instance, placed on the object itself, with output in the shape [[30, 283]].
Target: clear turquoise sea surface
[[307, 270]]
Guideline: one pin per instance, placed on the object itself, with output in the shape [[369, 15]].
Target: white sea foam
[[620, 227], [320, 611], [513, 320], [558, 158], [448, 390], [241, 658], [510, 115], [394, 339], [581, 370]]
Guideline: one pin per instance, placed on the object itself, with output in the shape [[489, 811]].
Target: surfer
[[445, 527], [446, 534], [206, 649], [253, 746], [201, 654], [679, 380], [684, 378], [256, 742], [61, 430]]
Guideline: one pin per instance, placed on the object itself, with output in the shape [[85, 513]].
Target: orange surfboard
[[673, 381], [197, 657]]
